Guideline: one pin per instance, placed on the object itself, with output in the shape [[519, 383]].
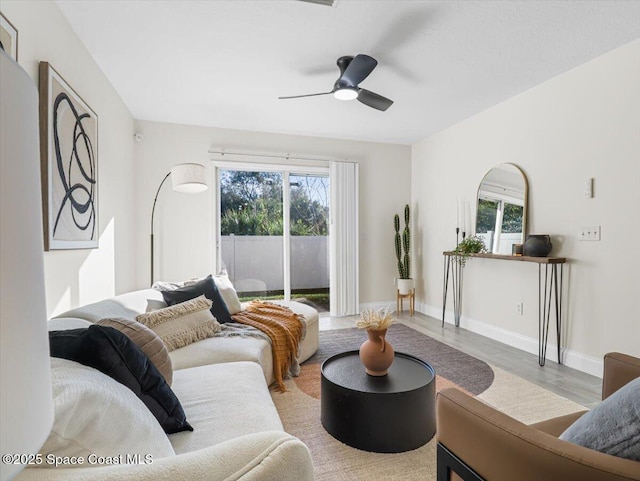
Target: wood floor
[[562, 380]]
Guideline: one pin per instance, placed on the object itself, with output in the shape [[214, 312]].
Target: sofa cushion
[[217, 350], [612, 427], [206, 287], [223, 401], [93, 414], [147, 340], [182, 324], [228, 292], [114, 354]]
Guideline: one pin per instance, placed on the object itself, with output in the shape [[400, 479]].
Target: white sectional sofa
[[222, 384]]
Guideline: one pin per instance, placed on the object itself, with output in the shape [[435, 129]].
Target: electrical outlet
[[520, 308], [589, 233]]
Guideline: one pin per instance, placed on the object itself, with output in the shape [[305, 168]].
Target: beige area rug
[[525, 401], [335, 461]]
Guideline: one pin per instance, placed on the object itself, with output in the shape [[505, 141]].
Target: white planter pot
[[405, 286]]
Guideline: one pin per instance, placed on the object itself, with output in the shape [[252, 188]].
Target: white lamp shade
[[26, 404], [189, 178]]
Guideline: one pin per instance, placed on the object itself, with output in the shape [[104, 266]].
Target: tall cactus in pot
[[403, 243]]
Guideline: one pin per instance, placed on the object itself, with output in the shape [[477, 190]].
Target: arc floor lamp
[[186, 178]]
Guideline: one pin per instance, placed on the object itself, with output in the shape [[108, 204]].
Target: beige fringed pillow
[[182, 324], [148, 341]]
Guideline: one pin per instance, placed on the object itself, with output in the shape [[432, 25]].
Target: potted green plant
[[470, 245], [403, 248]]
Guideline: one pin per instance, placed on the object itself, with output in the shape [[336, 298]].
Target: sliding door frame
[[286, 170]]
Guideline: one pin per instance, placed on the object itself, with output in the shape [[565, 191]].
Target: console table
[[549, 292]]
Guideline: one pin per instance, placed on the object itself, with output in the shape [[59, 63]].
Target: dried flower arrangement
[[377, 320]]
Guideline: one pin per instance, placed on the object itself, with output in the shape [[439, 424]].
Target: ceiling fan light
[[346, 93]]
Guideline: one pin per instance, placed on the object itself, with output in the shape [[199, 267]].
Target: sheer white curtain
[[344, 239]]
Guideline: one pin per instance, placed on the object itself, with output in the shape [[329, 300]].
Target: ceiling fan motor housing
[[343, 63]]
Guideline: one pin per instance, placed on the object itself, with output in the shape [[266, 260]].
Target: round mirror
[[501, 215]]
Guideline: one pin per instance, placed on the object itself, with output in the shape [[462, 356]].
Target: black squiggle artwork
[[85, 185]]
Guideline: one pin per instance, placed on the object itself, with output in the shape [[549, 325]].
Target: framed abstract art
[[69, 163], [8, 37]]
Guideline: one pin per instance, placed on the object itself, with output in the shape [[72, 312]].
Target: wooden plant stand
[[400, 301]]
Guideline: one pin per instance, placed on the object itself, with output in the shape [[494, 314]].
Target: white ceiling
[[224, 63]]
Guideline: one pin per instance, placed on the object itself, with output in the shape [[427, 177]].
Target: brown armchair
[[478, 443]]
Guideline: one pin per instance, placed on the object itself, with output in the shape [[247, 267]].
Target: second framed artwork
[[8, 37], [69, 162]]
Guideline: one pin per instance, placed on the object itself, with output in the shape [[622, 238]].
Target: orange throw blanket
[[283, 326]]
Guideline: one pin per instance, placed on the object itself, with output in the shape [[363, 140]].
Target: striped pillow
[[147, 340]]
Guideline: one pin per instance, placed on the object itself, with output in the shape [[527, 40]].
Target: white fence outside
[[255, 263]]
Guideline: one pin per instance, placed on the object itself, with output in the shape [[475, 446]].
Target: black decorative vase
[[537, 245]]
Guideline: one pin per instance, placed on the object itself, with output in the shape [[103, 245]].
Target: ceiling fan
[[354, 70]]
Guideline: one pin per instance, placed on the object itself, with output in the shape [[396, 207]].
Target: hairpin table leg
[[445, 285], [549, 291]]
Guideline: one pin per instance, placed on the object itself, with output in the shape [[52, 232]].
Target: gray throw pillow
[[613, 427]]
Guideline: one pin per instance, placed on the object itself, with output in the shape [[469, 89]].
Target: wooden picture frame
[[69, 165], [8, 37]]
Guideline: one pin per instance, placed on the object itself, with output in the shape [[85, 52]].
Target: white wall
[[184, 223], [75, 277], [584, 123]]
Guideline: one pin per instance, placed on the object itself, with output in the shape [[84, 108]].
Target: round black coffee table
[[387, 414]]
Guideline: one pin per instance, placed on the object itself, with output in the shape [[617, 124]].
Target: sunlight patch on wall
[[96, 276], [64, 304]]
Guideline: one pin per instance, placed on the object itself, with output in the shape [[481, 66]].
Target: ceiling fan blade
[[373, 100], [306, 95], [359, 69]]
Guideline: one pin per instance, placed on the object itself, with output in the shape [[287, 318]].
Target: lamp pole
[[153, 212], [187, 178]]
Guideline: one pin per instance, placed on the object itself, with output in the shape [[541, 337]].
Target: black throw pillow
[[207, 287], [114, 354]]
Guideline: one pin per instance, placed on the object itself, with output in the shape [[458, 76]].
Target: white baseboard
[[573, 359], [584, 363]]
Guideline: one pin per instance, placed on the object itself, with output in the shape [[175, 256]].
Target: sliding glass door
[[251, 242], [309, 236], [273, 233]]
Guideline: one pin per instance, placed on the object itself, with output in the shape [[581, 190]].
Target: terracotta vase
[[376, 353]]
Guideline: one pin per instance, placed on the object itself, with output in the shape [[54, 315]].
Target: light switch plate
[[589, 233], [588, 188]]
